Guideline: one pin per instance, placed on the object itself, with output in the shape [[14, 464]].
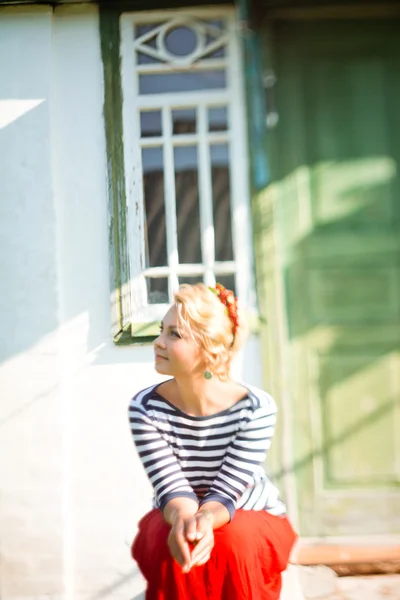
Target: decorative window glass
[[185, 155]]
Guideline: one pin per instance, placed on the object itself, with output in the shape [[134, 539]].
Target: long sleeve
[[244, 455], [158, 459]]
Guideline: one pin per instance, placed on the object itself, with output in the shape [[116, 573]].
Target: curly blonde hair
[[203, 316]]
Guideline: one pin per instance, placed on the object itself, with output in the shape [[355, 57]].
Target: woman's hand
[[178, 543], [203, 539], [191, 533], [176, 513]]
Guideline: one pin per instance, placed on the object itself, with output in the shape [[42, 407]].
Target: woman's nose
[[159, 341]]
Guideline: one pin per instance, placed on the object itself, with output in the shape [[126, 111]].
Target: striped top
[[212, 458]]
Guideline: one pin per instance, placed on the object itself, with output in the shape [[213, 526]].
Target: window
[[185, 159]]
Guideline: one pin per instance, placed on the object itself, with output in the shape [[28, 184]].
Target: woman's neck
[[200, 397]]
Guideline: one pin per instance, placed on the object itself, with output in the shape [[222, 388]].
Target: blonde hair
[[203, 316]]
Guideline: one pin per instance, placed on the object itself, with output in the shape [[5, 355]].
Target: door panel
[[336, 171]]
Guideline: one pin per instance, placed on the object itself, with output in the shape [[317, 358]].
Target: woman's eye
[[175, 334]]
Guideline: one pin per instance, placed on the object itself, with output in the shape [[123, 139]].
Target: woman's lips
[[158, 357]]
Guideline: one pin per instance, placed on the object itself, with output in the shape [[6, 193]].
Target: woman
[[218, 530]]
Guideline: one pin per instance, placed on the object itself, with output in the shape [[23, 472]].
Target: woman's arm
[[179, 508], [217, 513], [179, 513], [158, 459], [244, 455], [247, 451], [175, 496]]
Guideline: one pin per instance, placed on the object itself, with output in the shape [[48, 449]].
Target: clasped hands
[[191, 539]]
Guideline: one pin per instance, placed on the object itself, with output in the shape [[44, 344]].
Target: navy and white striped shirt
[[213, 458]]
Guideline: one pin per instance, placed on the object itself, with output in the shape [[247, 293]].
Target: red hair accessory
[[230, 302]]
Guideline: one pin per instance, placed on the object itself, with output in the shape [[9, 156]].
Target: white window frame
[[242, 266]]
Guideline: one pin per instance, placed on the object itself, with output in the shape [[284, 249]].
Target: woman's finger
[[204, 545], [184, 551], [174, 549], [175, 553], [204, 526], [202, 559], [179, 546], [191, 529]]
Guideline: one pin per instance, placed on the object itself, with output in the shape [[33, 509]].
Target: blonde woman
[[218, 529]]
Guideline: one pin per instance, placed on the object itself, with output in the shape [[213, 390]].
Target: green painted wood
[[255, 96], [331, 225], [268, 284], [119, 259]]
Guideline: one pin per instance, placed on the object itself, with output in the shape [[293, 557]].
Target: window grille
[[185, 157]]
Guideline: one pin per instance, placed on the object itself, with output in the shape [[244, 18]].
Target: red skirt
[[246, 562]]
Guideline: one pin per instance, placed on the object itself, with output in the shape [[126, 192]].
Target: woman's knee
[[231, 537], [151, 542], [236, 544]]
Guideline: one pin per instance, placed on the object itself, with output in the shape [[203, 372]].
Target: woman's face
[[176, 353]]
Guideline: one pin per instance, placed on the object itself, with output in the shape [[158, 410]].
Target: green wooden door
[[336, 168]]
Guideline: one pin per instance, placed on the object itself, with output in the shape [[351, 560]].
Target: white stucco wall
[[71, 486]]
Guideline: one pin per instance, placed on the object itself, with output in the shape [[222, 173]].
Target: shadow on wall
[[54, 265], [121, 582], [28, 257]]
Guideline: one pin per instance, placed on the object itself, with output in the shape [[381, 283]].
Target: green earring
[[208, 375]]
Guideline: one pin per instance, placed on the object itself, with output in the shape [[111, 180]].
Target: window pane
[[228, 281], [150, 123], [217, 118], [217, 25], [142, 29], [187, 204], [173, 41], [157, 290], [221, 202], [219, 52], [184, 121], [190, 280], [145, 59], [164, 83], [142, 57], [153, 189], [181, 41]]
